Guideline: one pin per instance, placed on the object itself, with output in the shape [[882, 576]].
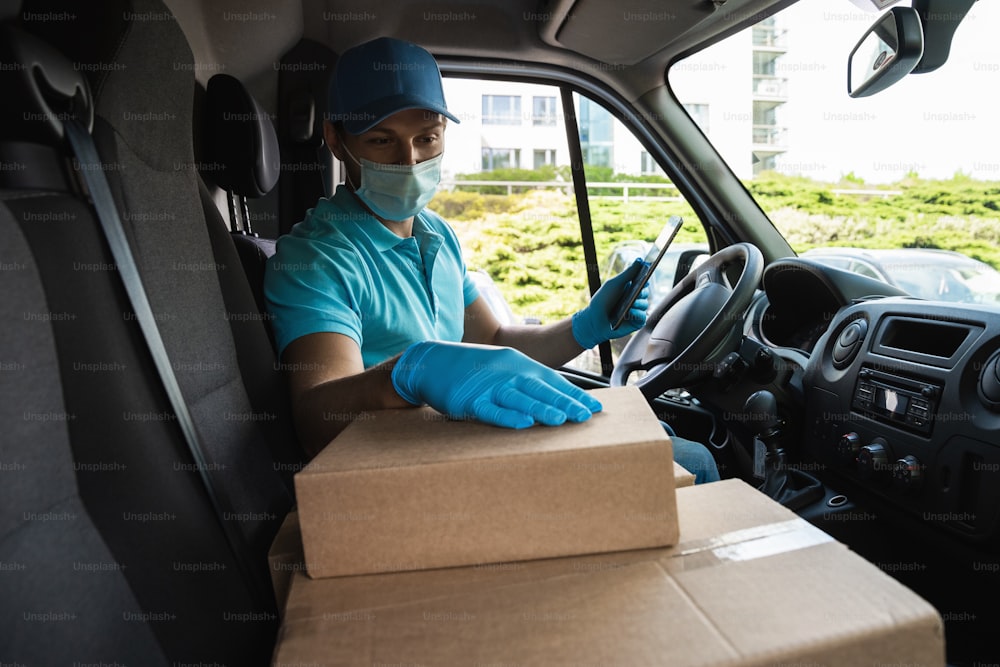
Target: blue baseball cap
[[376, 79]]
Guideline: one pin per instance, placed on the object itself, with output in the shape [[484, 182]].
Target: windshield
[[914, 166], [950, 281]]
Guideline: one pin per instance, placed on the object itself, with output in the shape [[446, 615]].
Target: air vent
[[849, 343], [989, 383]]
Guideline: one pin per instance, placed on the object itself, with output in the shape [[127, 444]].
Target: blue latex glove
[[592, 325], [497, 385]]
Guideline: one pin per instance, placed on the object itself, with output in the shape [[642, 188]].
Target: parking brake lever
[[792, 488]]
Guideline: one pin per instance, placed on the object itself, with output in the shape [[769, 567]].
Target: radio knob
[[848, 446], [908, 472], [873, 459]]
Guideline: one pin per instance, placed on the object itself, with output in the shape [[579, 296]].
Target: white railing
[[627, 189], [770, 36], [867, 193], [765, 85], [769, 135]]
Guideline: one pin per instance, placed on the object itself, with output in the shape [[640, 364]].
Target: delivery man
[[372, 307]]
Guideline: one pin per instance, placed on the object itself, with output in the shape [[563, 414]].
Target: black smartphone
[[650, 261]]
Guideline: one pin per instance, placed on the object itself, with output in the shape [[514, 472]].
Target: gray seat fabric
[[65, 597], [135, 475], [143, 129], [136, 479]]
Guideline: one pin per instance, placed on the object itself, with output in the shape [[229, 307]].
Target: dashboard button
[[865, 393], [908, 472], [848, 446], [873, 459]]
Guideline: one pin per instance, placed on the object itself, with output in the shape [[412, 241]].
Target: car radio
[[899, 401]]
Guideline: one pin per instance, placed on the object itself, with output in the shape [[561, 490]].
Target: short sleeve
[[307, 293], [469, 290]]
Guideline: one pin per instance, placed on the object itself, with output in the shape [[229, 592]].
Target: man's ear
[[332, 140]]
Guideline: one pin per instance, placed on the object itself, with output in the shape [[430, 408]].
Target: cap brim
[[376, 113]]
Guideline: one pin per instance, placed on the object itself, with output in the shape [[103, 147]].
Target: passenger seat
[[64, 598], [137, 480]]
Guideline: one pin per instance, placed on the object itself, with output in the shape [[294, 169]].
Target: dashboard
[[901, 397]]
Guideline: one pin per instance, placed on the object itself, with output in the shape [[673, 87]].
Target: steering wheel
[[694, 325]]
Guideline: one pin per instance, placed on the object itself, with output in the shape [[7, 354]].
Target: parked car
[[489, 291], [941, 275], [666, 274], [147, 461]]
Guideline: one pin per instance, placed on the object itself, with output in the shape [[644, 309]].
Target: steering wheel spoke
[[709, 274]]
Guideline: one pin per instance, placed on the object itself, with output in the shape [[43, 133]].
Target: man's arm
[[330, 387], [550, 344], [498, 385], [555, 344]]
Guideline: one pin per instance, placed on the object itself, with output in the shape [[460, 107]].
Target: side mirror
[[889, 51]]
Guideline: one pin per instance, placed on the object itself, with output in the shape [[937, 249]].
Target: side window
[[507, 190]]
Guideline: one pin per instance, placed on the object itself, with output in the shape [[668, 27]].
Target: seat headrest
[[41, 90], [9, 9], [241, 145]]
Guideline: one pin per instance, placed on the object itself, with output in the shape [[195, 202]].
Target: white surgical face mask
[[397, 191]]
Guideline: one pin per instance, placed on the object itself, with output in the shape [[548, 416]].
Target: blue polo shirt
[[340, 270]]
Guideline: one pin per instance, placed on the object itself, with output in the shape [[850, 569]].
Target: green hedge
[[529, 242]]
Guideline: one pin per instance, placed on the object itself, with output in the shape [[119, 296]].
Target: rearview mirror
[[889, 51]]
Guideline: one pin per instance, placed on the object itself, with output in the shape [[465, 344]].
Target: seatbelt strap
[[85, 150]]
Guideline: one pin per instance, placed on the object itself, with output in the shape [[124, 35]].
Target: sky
[[934, 124]]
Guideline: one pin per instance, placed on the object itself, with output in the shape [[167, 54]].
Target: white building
[[507, 124], [521, 125]]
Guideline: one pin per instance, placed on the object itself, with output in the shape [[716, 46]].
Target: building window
[[764, 163], [596, 133], [543, 110], [699, 114], [649, 165], [544, 157], [597, 156], [501, 110], [501, 158]]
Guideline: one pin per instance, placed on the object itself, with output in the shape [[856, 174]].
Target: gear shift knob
[[762, 415], [790, 487]]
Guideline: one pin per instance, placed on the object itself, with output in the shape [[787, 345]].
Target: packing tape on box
[[751, 543]]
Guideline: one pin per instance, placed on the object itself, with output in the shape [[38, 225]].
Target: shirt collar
[[352, 211]]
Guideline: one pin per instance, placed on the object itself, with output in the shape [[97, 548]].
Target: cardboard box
[[750, 584], [410, 490], [681, 476], [285, 556]]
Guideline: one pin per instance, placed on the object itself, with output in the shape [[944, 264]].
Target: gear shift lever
[[762, 411], [792, 488]]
